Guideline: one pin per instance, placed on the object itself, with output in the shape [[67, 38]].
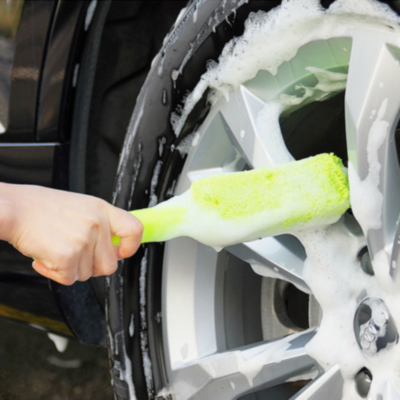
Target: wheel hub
[[374, 327]]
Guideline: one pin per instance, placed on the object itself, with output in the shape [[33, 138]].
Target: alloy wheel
[[229, 328]]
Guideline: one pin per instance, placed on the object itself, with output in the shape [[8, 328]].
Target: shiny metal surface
[[374, 84], [328, 385], [234, 373]]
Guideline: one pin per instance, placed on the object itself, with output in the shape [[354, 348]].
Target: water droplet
[[174, 74]]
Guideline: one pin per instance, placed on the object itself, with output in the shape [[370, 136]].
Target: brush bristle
[[316, 186]]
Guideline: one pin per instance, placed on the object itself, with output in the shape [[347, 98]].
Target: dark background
[[31, 368]]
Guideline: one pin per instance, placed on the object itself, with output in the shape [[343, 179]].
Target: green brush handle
[[161, 223]]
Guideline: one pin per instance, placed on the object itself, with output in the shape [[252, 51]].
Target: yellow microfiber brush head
[[317, 182], [231, 208]]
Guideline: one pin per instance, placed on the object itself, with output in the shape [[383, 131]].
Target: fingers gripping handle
[[160, 223]]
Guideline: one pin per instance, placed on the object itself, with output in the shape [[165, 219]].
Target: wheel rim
[[327, 385], [228, 141]]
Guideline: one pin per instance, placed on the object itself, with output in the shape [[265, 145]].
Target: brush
[[231, 208]]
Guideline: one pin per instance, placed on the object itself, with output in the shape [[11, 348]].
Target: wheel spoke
[[235, 373], [279, 257], [243, 115], [372, 105], [327, 386], [388, 392]]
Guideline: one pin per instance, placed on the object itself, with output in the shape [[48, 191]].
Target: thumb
[[128, 228]]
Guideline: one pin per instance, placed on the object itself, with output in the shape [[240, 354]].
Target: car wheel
[[311, 315]]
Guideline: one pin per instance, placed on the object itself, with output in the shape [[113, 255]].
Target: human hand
[[68, 234]]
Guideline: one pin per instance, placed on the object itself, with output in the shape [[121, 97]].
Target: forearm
[[68, 234], [10, 215]]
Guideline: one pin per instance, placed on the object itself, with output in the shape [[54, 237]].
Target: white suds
[[154, 183], [272, 38], [171, 190], [268, 125], [147, 366], [180, 16], [196, 139], [328, 82], [60, 342], [366, 198], [163, 393], [186, 144], [125, 374], [161, 144]]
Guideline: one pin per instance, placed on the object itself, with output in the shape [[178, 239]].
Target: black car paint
[[34, 149]]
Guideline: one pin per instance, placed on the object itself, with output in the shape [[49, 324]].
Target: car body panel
[[58, 71], [43, 39], [23, 80]]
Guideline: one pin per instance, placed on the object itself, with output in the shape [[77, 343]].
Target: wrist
[[9, 197]]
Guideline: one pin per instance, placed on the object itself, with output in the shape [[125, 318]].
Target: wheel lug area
[[363, 382], [365, 261], [374, 327]]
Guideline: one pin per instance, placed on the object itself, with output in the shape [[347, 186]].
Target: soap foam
[[331, 270], [147, 365], [328, 83], [366, 198], [272, 38]]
